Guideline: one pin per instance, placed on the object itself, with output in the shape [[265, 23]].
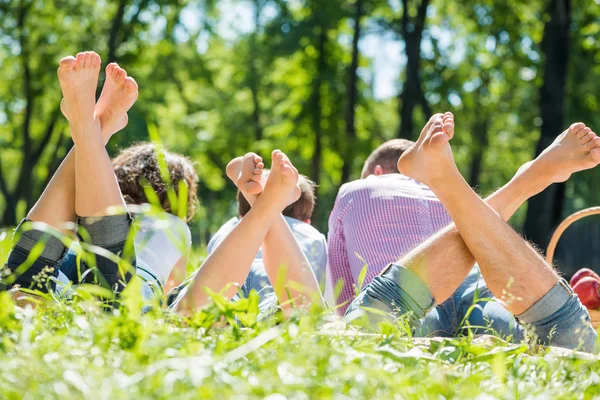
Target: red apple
[[587, 290], [582, 273]]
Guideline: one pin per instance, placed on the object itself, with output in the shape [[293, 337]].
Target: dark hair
[[386, 156], [301, 210], [138, 164]]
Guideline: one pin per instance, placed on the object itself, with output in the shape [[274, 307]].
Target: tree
[[545, 210], [412, 94]]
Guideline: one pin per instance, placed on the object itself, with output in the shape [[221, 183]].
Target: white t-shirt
[[160, 241], [311, 241]]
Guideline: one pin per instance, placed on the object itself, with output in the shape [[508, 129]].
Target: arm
[[281, 250], [231, 260]]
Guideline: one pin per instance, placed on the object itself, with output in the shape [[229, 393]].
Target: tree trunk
[[482, 143], [480, 132], [318, 114], [412, 93], [113, 38], [254, 74], [545, 210], [352, 97]]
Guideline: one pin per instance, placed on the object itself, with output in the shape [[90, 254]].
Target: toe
[[581, 133], [67, 62], [87, 59], [131, 84], [576, 128], [112, 70], [588, 137], [592, 144], [121, 75], [448, 129], [595, 155], [80, 58], [95, 59]]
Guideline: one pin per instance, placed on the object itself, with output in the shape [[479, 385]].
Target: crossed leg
[[91, 126], [56, 205], [507, 262], [444, 260]]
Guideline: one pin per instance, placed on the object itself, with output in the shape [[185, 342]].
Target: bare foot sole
[[78, 77], [574, 150], [118, 95], [249, 180], [282, 183], [430, 158]]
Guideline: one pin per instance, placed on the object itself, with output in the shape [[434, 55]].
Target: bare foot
[[576, 149], [78, 77], [250, 178], [118, 95], [430, 159], [282, 183]]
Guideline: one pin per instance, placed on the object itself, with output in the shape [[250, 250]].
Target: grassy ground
[[76, 350]]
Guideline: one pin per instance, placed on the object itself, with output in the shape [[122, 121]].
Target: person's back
[[377, 220], [310, 240]]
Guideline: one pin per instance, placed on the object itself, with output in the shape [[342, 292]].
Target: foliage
[[76, 350], [222, 78]]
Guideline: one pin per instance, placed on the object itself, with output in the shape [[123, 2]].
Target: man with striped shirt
[[378, 219]]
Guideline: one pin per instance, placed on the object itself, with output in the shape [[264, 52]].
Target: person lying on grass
[[86, 193], [428, 287], [263, 227], [84, 187], [162, 238], [297, 215]]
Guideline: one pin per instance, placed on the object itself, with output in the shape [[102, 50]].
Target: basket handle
[[563, 227]]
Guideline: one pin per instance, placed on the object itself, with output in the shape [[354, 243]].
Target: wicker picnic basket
[[594, 314]]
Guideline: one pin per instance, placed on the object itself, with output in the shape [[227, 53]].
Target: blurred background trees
[[326, 81]]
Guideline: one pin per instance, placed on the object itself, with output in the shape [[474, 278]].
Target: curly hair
[[138, 164]]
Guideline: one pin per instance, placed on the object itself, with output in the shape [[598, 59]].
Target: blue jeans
[[108, 233], [557, 319], [151, 286]]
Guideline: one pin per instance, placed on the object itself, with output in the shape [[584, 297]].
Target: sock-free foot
[[119, 93], [250, 180], [78, 78], [574, 150], [430, 158], [282, 184]]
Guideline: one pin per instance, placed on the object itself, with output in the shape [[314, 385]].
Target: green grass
[[73, 349]]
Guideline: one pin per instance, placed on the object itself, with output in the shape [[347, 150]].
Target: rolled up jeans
[[558, 318], [108, 233]]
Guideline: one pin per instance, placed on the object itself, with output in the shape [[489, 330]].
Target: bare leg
[[280, 248], [95, 182], [444, 260], [504, 257], [56, 205], [232, 259]]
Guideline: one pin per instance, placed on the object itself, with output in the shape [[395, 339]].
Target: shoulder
[[223, 231], [304, 231]]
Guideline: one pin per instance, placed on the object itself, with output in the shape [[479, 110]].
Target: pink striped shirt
[[376, 221]]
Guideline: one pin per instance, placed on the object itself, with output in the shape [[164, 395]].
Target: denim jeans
[[108, 233], [151, 286], [557, 319]]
